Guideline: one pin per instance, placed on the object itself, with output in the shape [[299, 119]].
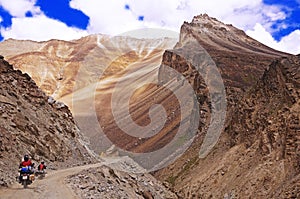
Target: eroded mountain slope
[[258, 152]]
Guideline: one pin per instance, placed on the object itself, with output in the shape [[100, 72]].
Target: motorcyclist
[[26, 162], [26, 166], [42, 166]]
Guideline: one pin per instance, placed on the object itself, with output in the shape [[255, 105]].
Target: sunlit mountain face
[[57, 66]]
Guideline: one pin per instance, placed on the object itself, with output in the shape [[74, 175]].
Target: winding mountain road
[[54, 186]]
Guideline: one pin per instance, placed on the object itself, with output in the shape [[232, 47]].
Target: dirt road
[[53, 186]]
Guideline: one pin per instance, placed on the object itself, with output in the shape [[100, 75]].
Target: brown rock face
[[267, 121], [257, 155], [33, 124], [241, 60]]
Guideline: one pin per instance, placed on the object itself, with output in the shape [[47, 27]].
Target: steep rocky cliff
[[257, 155], [33, 123], [267, 122]]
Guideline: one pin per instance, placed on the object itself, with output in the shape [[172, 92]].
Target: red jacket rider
[[42, 166], [26, 162]]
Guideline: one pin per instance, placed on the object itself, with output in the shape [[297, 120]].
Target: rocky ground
[[105, 182]]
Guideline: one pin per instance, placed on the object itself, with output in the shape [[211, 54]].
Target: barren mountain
[[240, 59], [84, 73], [34, 124], [257, 155], [61, 68]]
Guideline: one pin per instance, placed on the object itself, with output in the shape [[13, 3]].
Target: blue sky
[[292, 20], [273, 22]]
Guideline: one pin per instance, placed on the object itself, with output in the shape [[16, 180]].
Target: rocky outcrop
[[105, 182], [31, 124], [258, 153], [240, 59], [267, 121], [206, 47]]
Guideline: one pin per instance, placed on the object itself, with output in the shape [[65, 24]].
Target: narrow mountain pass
[[116, 176]]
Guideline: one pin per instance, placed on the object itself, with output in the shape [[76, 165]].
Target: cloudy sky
[[273, 22]]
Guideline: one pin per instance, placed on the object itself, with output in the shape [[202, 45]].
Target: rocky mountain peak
[[213, 33], [212, 24], [240, 59]]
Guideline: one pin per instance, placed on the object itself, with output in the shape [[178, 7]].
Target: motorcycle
[[40, 174], [26, 176]]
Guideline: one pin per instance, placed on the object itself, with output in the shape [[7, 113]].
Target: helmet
[[26, 157]]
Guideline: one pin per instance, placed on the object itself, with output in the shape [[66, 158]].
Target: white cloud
[[107, 18], [18, 8], [112, 18], [40, 28], [247, 16], [289, 43]]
